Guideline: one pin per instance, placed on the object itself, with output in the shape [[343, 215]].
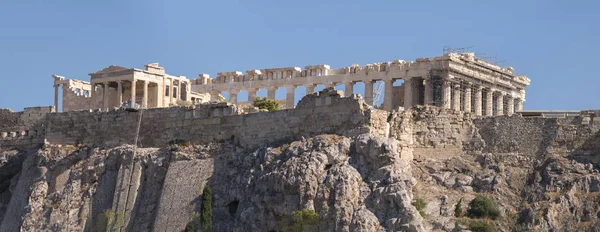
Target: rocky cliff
[[541, 172]]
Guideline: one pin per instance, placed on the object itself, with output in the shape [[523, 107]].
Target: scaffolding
[[378, 88]]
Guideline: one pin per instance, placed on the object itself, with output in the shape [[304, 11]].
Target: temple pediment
[[110, 69]]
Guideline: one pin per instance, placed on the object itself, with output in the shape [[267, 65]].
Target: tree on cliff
[[206, 211], [266, 104]]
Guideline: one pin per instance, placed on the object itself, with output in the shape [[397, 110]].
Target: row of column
[[105, 86], [449, 89], [452, 99], [349, 90]]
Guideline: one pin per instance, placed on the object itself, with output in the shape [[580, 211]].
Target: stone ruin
[[458, 81]]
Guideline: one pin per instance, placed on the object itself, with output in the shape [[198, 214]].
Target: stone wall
[[430, 132], [23, 128], [328, 113]]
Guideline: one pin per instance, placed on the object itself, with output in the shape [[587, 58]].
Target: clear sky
[[555, 43]]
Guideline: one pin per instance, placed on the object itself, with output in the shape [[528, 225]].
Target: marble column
[[478, 98], [519, 105], [467, 103], [145, 100], [489, 98], [510, 104], [500, 104], [447, 95], [289, 96], [251, 95], [456, 100], [105, 96], [171, 90], [427, 95], [119, 93], [330, 85], [348, 89], [178, 91], [133, 83], [233, 98], [369, 92], [56, 98], [310, 89], [271, 92], [92, 95], [388, 95], [408, 93]]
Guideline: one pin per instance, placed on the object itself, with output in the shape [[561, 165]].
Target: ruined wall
[[76, 96], [23, 128], [433, 132]]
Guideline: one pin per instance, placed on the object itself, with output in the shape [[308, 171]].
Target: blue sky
[[555, 43]]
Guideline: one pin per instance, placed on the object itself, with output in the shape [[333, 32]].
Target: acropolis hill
[[453, 130]]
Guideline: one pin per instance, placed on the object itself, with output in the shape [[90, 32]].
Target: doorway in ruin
[[418, 91]]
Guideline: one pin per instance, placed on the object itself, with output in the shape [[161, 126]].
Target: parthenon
[[458, 81]]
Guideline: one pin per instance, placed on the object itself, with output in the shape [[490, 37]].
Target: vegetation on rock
[[109, 221], [481, 226], [420, 204], [206, 210], [458, 212], [483, 207], [299, 221]]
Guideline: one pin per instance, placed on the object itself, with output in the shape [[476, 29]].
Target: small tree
[[206, 211], [266, 104], [483, 207]]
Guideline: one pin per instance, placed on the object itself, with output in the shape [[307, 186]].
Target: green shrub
[[420, 204], [299, 221], [206, 210], [481, 226], [305, 217], [483, 207], [458, 209], [266, 104]]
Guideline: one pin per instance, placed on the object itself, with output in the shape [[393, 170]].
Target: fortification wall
[[23, 128], [325, 113], [430, 132]]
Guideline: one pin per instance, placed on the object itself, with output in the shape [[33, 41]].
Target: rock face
[[542, 173], [354, 184]]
